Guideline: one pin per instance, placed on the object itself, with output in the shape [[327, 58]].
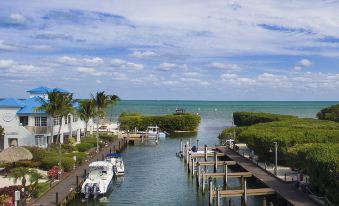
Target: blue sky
[[191, 50]]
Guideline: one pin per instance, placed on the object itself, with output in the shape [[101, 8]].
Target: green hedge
[[329, 113], [83, 147], [288, 133], [107, 137], [50, 161], [168, 123], [251, 118], [321, 162], [81, 156]]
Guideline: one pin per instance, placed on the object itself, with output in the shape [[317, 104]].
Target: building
[[24, 126]]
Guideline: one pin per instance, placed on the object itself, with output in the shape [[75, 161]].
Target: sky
[[172, 49]]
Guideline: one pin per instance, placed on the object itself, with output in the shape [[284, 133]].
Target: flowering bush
[[7, 194], [53, 172]]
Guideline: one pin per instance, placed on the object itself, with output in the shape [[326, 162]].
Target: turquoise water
[[155, 176]]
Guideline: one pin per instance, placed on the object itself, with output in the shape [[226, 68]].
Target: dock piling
[[77, 182], [218, 197], [57, 198], [210, 191], [190, 142], [193, 167], [245, 191], [226, 174], [215, 161], [203, 182], [85, 173], [205, 153], [198, 175], [181, 146], [264, 202]]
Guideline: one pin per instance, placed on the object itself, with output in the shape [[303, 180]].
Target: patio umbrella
[[15, 154]]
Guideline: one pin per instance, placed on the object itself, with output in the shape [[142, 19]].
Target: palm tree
[[114, 99], [58, 105], [102, 101], [86, 111], [34, 177], [20, 173]]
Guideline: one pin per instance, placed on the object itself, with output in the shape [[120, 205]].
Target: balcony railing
[[39, 129]]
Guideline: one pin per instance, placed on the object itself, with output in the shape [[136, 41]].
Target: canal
[[155, 176]]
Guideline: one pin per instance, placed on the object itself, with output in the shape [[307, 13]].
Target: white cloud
[[86, 70], [98, 81], [143, 54], [94, 61], [10, 68], [300, 65], [6, 63], [191, 74], [170, 66], [228, 76], [16, 17], [122, 64], [119, 76], [225, 67], [194, 81]]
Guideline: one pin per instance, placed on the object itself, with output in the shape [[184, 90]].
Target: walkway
[[285, 190], [67, 185]]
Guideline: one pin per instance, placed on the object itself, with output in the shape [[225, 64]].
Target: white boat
[[98, 180], [154, 131], [117, 162]]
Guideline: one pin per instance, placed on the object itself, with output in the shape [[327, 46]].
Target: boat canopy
[[100, 164], [113, 155]]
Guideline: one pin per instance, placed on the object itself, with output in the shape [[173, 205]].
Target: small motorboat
[[98, 180], [117, 162], [154, 131]]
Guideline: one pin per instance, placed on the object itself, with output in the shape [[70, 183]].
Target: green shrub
[[251, 118], [38, 153], [40, 189], [107, 137], [168, 123], [28, 163], [50, 161], [83, 147], [81, 156], [90, 140], [67, 148], [321, 162], [329, 113]]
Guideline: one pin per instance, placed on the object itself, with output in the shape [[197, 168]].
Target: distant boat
[[99, 179], [154, 131], [118, 163]]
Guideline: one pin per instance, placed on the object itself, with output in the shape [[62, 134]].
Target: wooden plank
[[219, 154], [230, 174], [250, 192], [218, 163]]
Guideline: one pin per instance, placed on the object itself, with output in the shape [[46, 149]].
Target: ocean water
[[155, 176]]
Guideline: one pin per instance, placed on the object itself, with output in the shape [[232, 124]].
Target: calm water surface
[[155, 176]]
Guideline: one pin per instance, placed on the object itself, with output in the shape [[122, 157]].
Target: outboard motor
[[87, 191], [95, 190], [115, 170]]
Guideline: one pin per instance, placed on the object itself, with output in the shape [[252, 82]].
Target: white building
[[24, 126]]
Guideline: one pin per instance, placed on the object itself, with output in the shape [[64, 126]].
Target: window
[[57, 121], [66, 120], [75, 118], [24, 120], [40, 141], [69, 118], [40, 121]]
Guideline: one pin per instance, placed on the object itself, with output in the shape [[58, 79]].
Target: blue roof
[[44, 90], [30, 105], [11, 102], [40, 90]]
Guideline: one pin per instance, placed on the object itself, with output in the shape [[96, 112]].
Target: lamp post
[[275, 157]]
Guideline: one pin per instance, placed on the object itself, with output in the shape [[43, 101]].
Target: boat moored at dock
[[99, 179], [117, 162]]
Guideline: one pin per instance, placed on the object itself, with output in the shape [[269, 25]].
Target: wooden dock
[[249, 192], [230, 174], [285, 190], [65, 190]]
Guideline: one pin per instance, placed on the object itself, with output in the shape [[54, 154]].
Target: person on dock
[[194, 148]]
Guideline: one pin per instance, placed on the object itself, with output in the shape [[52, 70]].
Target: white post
[[276, 158], [198, 174], [211, 191], [203, 182], [193, 167], [205, 153], [78, 135], [190, 142], [91, 129], [218, 197], [62, 138], [215, 161], [226, 173]]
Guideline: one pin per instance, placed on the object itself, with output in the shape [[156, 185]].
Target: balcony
[[39, 129]]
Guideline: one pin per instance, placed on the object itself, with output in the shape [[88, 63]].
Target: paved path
[[68, 184], [285, 190]]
